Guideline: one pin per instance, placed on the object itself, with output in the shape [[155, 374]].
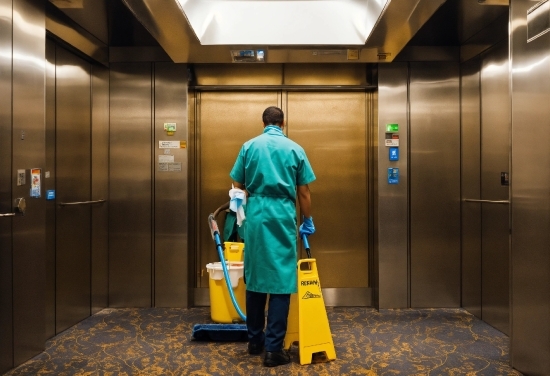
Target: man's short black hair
[[273, 116]]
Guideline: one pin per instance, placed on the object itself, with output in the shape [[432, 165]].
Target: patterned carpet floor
[[157, 341]]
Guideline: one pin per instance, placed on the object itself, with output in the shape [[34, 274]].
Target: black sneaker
[[255, 348], [276, 358]]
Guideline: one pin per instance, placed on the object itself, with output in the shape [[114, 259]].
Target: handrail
[[487, 201], [82, 202]]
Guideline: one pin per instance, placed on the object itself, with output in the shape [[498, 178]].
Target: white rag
[[238, 199]]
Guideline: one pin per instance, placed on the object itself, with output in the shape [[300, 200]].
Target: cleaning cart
[[227, 291]]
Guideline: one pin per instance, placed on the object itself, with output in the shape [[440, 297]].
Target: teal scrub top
[[271, 166]]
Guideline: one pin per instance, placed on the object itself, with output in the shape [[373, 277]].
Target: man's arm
[[304, 200], [240, 186]]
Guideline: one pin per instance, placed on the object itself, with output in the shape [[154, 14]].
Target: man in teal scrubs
[[275, 172]]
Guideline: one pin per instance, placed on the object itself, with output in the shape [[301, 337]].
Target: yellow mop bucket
[[221, 307]]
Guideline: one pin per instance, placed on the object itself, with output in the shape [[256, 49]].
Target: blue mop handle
[[216, 235], [305, 242]]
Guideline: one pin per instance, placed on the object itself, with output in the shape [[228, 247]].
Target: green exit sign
[[392, 127]]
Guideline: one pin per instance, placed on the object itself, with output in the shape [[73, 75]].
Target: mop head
[[220, 332]]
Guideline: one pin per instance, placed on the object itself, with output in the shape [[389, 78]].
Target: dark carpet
[[157, 341]]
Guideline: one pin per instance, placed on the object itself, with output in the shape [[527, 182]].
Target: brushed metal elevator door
[[225, 121], [485, 210], [495, 156], [331, 127], [73, 183]]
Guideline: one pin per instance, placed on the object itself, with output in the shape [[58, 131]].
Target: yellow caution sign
[[307, 319]]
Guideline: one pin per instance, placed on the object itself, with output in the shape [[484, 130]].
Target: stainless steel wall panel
[[435, 184], [495, 140], [73, 183], [6, 275], [221, 137], [100, 188], [49, 183], [325, 74], [130, 189], [193, 193], [238, 74], [373, 150], [530, 66], [331, 127], [470, 113], [392, 212], [171, 207], [29, 231]]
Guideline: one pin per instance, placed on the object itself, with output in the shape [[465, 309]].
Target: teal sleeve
[[237, 172], [305, 172]]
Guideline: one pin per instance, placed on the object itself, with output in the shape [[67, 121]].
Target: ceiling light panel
[[282, 22]]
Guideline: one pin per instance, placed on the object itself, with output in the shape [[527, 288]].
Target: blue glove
[[307, 227]]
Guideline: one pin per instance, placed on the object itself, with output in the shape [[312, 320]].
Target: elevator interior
[[439, 238]]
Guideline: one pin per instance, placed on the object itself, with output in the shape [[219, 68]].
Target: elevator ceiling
[[289, 31], [298, 31]]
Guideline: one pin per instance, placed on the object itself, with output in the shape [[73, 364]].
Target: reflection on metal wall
[[495, 159], [130, 190], [49, 184], [73, 182], [392, 210], [77, 131], [171, 264], [485, 113], [530, 259], [226, 121], [28, 152], [100, 188], [331, 128], [6, 281], [434, 185], [471, 186], [148, 194]]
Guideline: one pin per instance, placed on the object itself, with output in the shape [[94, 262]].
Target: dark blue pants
[[277, 317]]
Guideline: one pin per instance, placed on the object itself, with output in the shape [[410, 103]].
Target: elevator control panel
[[393, 175], [394, 154], [391, 140]]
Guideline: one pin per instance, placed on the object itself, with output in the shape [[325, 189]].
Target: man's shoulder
[[252, 141]]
